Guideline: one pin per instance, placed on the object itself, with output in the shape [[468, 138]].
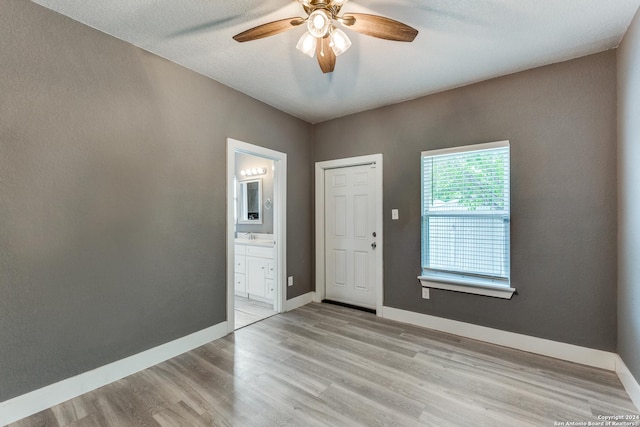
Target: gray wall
[[629, 198], [245, 161], [112, 197], [561, 121]]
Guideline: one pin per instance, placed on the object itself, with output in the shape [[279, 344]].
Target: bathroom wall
[[246, 161]]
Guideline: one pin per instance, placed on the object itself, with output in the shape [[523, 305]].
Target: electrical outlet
[[425, 293], [290, 281], [395, 214]]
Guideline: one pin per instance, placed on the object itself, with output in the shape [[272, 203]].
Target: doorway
[[256, 233], [349, 231]]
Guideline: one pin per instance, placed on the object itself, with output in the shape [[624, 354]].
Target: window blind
[[466, 211]]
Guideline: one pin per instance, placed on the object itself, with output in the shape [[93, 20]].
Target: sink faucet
[[251, 236]]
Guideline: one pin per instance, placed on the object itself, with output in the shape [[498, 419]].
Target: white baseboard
[[629, 382], [300, 300], [38, 400], [559, 350]]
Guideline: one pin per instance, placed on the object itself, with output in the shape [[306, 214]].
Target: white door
[[350, 235]]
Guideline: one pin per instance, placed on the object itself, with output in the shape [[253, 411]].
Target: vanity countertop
[[255, 242]]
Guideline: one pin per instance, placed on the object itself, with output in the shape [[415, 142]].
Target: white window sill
[[467, 285]]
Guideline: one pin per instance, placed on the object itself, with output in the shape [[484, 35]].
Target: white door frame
[[279, 222], [320, 223]]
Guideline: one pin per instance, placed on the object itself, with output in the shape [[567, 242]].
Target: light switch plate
[[290, 281], [395, 214], [425, 293]]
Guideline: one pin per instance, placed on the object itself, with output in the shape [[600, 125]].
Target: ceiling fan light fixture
[[339, 41], [307, 44], [319, 23]]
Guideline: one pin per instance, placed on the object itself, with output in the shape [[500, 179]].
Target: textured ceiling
[[460, 42]]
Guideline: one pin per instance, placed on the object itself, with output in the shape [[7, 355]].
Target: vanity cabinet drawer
[[270, 273], [260, 251], [270, 288], [241, 262], [240, 283], [240, 249]]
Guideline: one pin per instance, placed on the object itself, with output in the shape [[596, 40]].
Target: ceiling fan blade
[[326, 57], [381, 27], [268, 29]]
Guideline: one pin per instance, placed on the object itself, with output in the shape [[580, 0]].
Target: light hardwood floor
[[248, 311], [324, 365]]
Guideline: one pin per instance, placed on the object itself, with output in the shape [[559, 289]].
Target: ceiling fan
[[323, 38]]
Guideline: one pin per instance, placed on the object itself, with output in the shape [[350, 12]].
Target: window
[[466, 219]]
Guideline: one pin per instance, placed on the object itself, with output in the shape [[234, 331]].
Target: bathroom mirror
[[250, 201]]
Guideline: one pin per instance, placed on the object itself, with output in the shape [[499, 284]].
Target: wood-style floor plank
[[248, 311], [324, 365]]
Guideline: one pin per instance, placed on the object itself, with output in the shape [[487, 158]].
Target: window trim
[[468, 285], [465, 148], [461, 282]]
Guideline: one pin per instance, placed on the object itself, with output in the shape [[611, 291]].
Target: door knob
[[373, 245]]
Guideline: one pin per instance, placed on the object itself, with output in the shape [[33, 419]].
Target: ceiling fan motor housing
[[332, 6]]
